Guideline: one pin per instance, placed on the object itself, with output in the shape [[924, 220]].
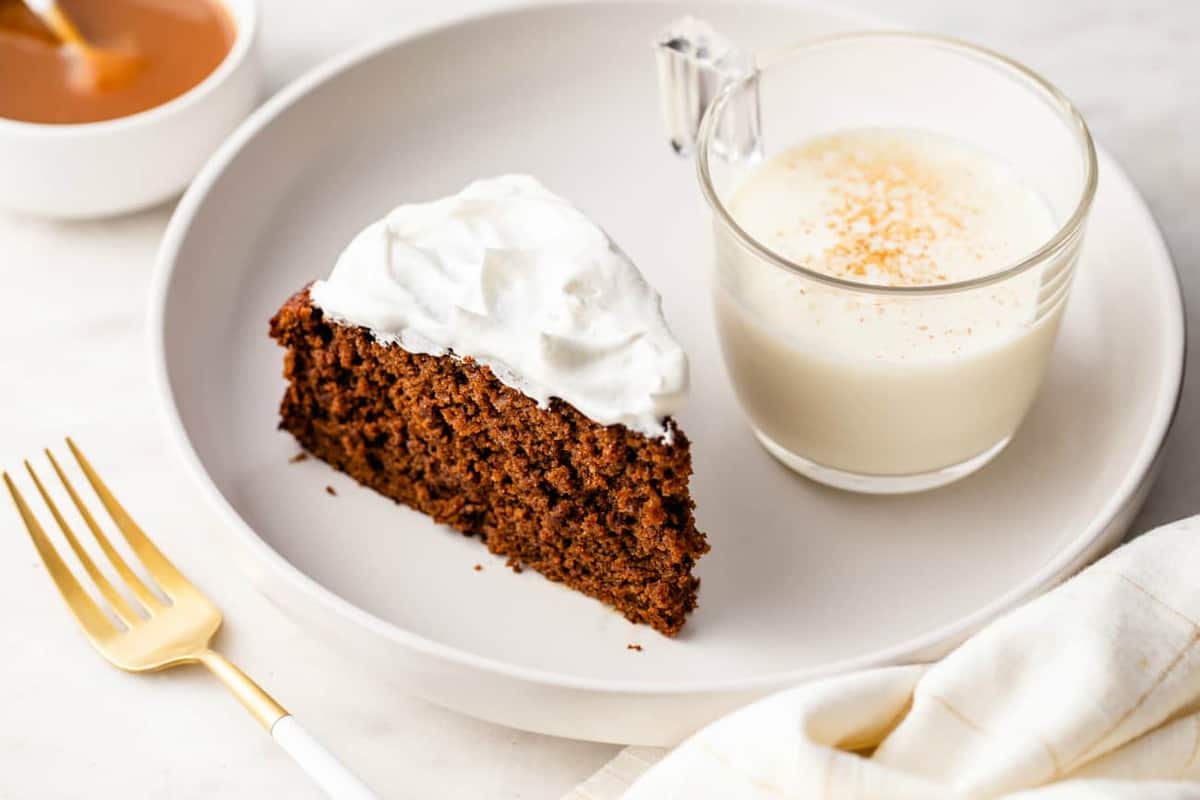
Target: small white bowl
[[99, 169]]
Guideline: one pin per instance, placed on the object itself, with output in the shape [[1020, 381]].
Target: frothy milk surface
[[894, 208], [881, 384]]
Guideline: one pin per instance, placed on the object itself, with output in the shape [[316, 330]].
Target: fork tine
[[169, 579], [143, 593], [93, 621], [114, 598]]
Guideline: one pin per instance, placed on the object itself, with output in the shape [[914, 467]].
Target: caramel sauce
[[172, 45]]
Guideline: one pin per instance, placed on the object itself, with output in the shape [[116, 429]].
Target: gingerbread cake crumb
[[479, 567], [600, 508], [637, 647], [296, 459], [329, 490]]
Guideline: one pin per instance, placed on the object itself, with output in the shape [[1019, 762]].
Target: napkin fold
[[1090, 691]]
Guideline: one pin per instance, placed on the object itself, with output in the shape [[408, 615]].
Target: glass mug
[[869, 387]]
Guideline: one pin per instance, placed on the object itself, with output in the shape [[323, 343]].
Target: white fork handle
[[321, 765]]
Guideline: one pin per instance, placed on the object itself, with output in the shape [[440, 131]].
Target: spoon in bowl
[[93, 68]]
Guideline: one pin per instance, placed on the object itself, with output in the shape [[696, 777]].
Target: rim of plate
[[1137, 476]]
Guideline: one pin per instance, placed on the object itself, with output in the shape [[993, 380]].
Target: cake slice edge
[[603, 509]]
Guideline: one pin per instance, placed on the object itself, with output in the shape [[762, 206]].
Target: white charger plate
[[802, 581]]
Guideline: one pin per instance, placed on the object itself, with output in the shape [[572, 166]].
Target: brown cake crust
[[603, 509]]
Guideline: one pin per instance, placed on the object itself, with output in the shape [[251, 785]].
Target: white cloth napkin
[[1090, 691]]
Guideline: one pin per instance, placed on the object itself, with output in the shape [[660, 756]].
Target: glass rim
[[1015, 70]]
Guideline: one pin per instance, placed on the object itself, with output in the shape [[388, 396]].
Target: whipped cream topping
[[515, 277]]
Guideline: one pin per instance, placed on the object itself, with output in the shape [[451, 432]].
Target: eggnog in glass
[[891, 275]]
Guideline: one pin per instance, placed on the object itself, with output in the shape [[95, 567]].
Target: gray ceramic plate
[[802, 581]]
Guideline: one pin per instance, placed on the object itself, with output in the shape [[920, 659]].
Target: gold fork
[[163, 629]]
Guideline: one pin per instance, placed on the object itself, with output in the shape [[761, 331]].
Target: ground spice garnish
[[887, 212], [329, 490]]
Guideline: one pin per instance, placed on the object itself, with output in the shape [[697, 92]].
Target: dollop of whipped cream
[[514, 276]]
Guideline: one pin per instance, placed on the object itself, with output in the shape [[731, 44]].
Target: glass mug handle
[[694, 64]]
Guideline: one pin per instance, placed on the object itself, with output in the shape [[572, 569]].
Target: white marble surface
[[73, 361]]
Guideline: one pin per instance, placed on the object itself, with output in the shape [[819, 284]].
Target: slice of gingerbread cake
[[493, 360]]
